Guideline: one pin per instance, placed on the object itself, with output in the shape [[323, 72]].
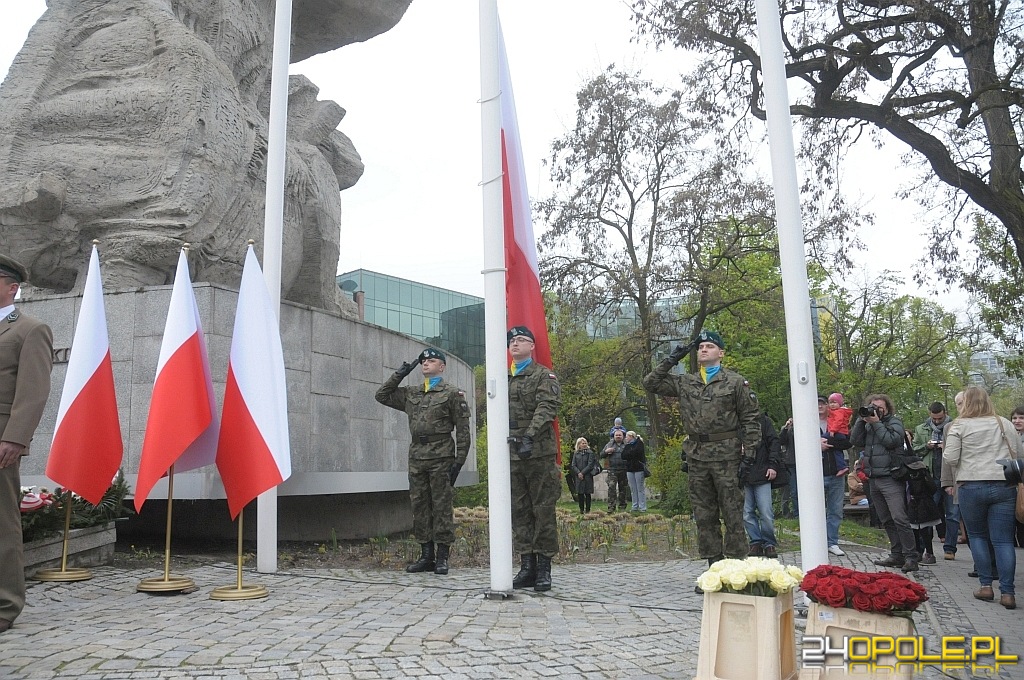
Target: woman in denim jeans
[[976, 439]]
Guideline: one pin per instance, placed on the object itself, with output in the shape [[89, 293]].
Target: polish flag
[[253, 454], [524, 299], [182, 426], [87, 447]]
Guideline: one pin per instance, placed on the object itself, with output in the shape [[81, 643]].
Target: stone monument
[[143, 123]]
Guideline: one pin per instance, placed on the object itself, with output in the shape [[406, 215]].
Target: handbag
[[647, 470], [1018, 508]]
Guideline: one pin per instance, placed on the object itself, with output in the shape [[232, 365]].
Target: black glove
[[685, 466], [681, 351], [746, 465], [405, 369], [453, 472], [525, 446]]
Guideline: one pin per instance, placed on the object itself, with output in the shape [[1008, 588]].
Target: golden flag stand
[[65, 573], [239, 591], [169, 583]]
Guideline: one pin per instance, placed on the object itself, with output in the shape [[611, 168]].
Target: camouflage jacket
[[432, 417], [533, 401], [724, 406]]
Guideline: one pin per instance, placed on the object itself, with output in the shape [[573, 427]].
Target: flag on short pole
[[524, 299], [253, 454], [182, 425], [87, 448]]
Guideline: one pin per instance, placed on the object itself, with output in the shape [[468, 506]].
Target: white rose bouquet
[[752, 576]]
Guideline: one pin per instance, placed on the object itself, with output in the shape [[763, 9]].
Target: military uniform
[[433, 414], [533, 401], [618, 484], [26, 357], [721, 421]]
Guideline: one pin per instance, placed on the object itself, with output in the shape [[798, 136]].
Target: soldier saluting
[[720, 417], [435, 408]]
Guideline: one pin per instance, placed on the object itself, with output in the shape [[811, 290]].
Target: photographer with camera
[[881, 433], [928, 443]]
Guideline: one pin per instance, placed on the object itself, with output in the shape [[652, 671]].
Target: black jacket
[[768, 454], [633, 454]]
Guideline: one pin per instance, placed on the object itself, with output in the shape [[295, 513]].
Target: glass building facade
[[451, 321]]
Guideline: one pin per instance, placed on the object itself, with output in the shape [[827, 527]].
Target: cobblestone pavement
[[636, 620]]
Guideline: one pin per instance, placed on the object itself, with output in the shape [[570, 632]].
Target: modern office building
[[449, 320]]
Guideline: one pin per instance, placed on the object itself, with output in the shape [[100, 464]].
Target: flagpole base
[[170, 584], [244, 592], [69, 574], [498, 595]]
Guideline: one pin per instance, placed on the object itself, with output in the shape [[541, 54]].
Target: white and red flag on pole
[[182, 425], [524, 299], [87, 447], [253, 454]]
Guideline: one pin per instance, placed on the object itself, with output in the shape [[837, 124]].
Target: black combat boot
[[543, 582], [441, 566], [527, 575], [426, 560]]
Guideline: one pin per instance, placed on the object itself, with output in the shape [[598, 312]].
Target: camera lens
[[1013, 470]]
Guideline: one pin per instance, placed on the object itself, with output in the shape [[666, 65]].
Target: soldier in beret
[[435, 408], [26, 357], [720, 417], [533, 400]]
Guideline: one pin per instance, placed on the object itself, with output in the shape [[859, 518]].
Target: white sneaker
[[836, 550]]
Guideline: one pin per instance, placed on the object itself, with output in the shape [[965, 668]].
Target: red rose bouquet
[[881, 592]]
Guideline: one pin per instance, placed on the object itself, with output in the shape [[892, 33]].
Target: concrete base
[[837, 623], [89, 547], [300, 518]]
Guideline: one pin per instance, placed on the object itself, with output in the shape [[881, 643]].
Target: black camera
[[867, 411], [1013, 469]]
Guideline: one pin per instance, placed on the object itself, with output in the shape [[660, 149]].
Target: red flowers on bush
[[882, 592]]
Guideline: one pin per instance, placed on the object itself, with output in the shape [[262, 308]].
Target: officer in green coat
[[435, 408], [533, 401], [720, 417]]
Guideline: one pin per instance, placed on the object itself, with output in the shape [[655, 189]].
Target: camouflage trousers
[[431, 495], [618, 487], [536, 488], [716, 497]]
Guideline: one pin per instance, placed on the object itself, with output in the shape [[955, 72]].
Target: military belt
[[428, 438], [716, 437]]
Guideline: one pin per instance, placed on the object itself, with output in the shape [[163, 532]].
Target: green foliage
[[476, 494], [49, 519]]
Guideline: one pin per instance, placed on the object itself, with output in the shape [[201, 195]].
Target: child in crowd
[[618, 426], [839, 416]]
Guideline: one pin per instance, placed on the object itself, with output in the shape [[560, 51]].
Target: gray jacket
[[882, 442]]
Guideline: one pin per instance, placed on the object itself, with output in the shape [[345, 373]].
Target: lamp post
[[944, 386]]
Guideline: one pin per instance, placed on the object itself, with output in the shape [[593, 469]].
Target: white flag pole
[[273, 229], [796, 295], [499, 488]]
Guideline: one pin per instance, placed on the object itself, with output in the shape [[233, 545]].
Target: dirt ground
[[596, 537]]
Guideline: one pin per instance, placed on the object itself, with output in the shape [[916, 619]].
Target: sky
[[411, 97]]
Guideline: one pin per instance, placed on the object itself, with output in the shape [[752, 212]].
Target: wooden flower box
[[87, 547], [746, 636], [837, 623]]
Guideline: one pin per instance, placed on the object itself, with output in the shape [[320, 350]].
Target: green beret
[[711, 336], [520, 330], [14, 269], [431, 353]]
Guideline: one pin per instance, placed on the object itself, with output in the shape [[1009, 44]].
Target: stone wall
[[346, 448]]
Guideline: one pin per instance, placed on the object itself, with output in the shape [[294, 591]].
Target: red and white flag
[[87, 447], [253, 454], [524, 299], [522, 281], [182, 425]]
